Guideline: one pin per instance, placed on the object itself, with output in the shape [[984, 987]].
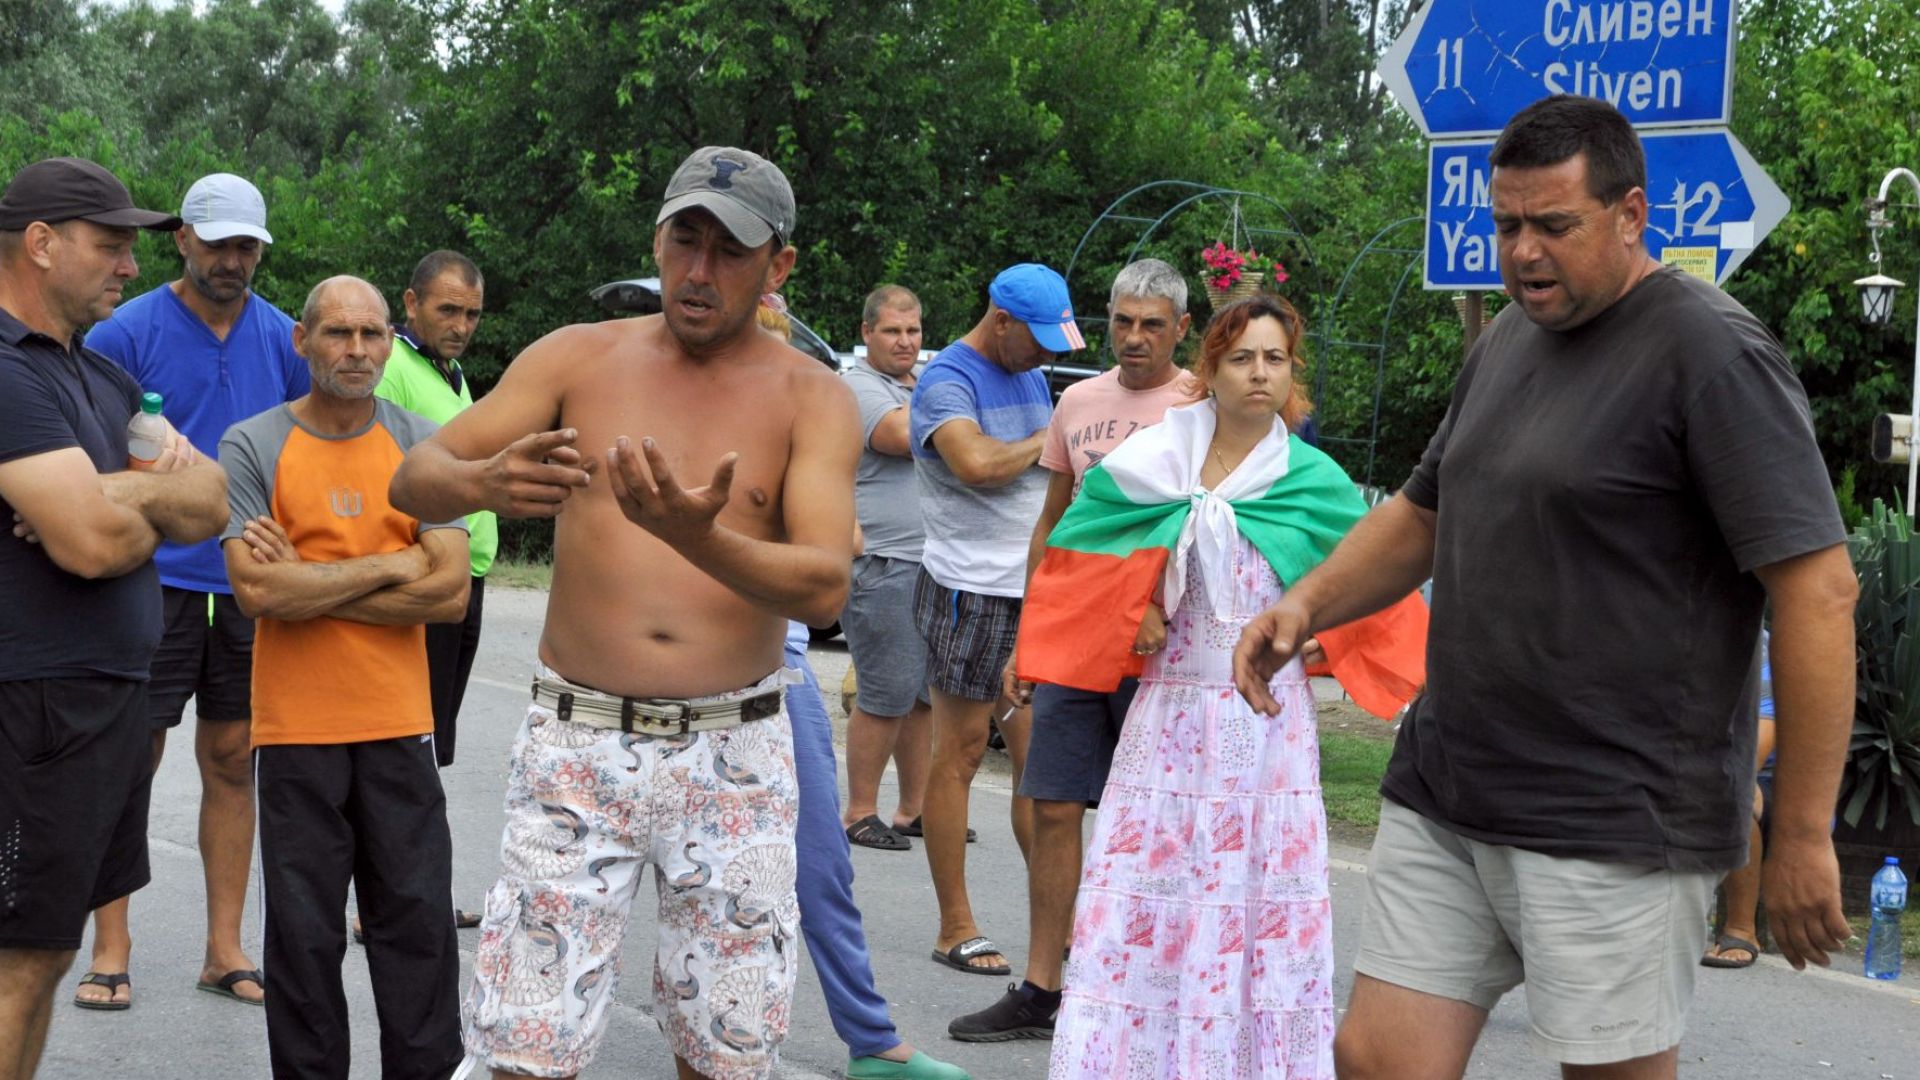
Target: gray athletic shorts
[[1607, 950], [888, 651]]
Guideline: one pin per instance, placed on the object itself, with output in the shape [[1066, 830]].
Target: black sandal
[[958, 957], [1716, 956], [871, 832], [224, 986], [112, 982], [914, 828]]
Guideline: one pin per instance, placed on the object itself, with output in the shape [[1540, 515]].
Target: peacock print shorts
[[588, 809]]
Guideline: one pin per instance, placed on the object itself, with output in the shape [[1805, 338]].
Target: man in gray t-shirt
[[1626, 475], [890, 715]]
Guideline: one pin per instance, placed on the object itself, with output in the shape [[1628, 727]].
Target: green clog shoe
[[917, 1067]]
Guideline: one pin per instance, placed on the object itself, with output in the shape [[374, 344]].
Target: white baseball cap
[[222, 205]]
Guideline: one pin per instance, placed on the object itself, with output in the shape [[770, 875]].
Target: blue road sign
[[1462, 68], [1709, 205]]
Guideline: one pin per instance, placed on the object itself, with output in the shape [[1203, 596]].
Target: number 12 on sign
[[1706, 198]]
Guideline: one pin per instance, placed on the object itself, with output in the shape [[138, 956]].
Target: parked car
[[641, 296]]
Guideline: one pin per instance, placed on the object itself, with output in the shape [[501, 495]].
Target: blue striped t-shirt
[[977, 537]]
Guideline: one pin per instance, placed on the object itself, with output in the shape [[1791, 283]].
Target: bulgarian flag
[[1141, 515]]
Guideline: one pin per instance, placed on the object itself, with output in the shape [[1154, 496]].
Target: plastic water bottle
[[146, 433], [1888, 895]]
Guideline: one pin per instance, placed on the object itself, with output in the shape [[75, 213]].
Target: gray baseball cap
[[222, 205], [748, 193]]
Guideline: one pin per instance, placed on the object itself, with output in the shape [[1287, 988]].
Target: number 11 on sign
[[1440, 51]]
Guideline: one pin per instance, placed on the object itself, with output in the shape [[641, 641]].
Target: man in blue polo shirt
[[218, 354], [978, 418]]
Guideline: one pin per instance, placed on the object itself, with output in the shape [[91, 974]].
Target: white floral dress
[[1202, 944]]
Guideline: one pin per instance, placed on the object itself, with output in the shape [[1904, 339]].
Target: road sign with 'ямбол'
[[1462, 68], [1709, 205]]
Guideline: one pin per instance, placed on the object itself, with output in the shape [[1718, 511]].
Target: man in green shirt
[[443, 302]]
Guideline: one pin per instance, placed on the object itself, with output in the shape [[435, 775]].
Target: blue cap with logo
[[1037, 296]]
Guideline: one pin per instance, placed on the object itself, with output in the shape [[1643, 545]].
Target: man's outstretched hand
[[535, 475], [1274, 637], [651, 498]]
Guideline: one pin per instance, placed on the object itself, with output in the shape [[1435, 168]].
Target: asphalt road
[[1761, 1023]]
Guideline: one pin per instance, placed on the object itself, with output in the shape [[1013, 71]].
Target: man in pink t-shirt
[[1075, 731]]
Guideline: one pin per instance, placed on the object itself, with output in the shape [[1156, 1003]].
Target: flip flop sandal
[[1728, 941], [871, 832], [958, 956], [465, 920], [913, 828], [224, 987], [112, 982]]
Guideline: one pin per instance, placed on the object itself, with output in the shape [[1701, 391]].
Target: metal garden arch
[[1327, 330]]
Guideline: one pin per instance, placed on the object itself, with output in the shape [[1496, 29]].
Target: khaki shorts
[[1607, 950]]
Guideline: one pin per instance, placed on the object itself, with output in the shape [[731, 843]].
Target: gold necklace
[[1226, 468]]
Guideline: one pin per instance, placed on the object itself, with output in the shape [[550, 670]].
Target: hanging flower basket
[[1231, 275], [1247, 286]]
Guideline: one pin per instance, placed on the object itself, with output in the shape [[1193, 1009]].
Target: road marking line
[[518, 688]]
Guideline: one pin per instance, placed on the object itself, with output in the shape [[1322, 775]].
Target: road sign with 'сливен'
[[1462, 68], [1708, 204]]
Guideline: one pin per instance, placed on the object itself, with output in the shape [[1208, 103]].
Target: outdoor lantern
[[1876, 297]]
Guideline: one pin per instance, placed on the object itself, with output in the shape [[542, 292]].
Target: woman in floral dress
[[1202, 945]]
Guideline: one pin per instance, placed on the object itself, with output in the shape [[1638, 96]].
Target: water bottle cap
[[151, 403], [1892, 860]]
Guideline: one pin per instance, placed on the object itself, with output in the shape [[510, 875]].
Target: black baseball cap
[[64, 189]]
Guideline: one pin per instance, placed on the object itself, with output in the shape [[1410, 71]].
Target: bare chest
[[695, 419]]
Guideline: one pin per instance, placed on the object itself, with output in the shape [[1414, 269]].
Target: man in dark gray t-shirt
[[1625, 478]]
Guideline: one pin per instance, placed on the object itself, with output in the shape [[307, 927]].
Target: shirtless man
[[669, 605]]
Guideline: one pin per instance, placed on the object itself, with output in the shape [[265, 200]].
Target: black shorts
[[969, 637], [76, 764], [1074, 736], [209, 661]]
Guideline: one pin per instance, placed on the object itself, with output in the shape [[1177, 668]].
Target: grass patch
[[1350, 769], [514, 574], [1909, 932]]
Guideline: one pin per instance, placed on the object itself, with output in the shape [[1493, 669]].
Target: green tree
[[930, 143], [1826, 99]]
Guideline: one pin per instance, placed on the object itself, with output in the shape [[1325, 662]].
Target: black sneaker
[[1026, 1012]]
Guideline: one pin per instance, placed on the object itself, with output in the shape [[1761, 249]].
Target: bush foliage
[[929, 143]]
